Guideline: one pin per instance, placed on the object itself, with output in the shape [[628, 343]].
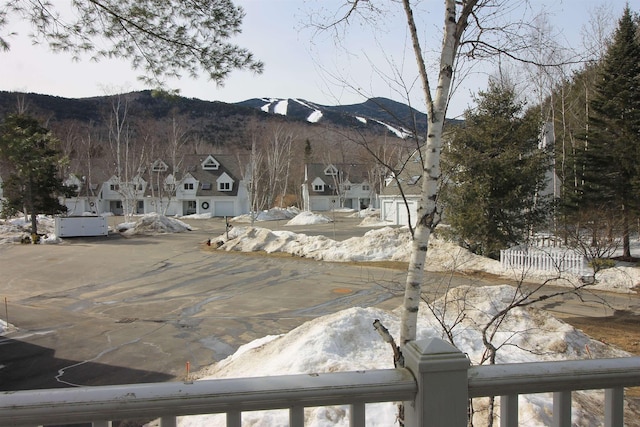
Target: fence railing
[[435, 385], [541, 260]]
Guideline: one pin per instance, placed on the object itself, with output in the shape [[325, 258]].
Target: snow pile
[[18, 230], [151, 224], [394, 244], [273, 214], [347, 341], [370, 218], [197, 216], [376, 245], [619, 279], [384, 244], [309, 218]]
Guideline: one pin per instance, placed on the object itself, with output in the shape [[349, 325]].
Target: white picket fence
[[541, 260]]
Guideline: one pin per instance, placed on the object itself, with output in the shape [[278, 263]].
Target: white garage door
[[223, 209], [389, 211], [319, 205], [403, 216]]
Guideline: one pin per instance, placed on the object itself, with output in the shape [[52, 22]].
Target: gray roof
[[409, 173]]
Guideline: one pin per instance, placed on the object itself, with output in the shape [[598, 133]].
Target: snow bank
[[273, 214], [153, 223], [394, 244], [18, 230], [309, 218], [347, 341], [375, 245]]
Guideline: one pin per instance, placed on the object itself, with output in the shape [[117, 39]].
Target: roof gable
[[210, 163]]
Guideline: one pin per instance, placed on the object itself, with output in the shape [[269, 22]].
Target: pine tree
[[162, 39], [496, 173], [610, 162], [29, 159]]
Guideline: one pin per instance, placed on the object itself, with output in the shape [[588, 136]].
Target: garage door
[[319, 205], [224, 209], [389, 211], [403, 216]]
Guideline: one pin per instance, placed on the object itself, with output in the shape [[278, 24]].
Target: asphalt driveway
[[111, 310]]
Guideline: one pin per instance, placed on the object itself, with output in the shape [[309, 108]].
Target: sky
[[346, 341], [297, 64]]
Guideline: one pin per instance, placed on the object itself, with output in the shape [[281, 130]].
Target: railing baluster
[[234, 419], [357, 417], [296, 416], [561, 409], [168, 422], [509, 410], [614, 407]]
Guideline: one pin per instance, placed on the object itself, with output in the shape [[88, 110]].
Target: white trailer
[[81, 226]]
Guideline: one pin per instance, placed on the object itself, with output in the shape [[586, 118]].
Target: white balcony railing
[[435, 386]]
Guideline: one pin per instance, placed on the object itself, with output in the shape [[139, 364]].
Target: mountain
[[219, 121], [378, 114]]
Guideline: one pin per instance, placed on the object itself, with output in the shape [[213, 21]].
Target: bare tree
[[130, 158]]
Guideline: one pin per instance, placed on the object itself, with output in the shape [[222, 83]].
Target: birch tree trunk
[[427, 211]]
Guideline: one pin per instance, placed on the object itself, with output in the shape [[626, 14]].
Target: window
[[159, 166], [224, 186], [188, 185], [114, 187], [365, 187], [210, 164], [206, 186], [331, 170], [318, 187]]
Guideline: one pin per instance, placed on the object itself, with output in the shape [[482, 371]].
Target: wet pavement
[[111, 310], [114, 310]]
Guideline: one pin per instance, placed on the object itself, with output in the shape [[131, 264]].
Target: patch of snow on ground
[[281, 107], [315, 116]]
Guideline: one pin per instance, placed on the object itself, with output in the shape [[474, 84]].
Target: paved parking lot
[[110, 310], [113, 310]]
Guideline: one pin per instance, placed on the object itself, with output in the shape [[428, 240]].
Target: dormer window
[[331, 171], [210, 164], [318, 185], [159, 166], [225, 182], [188, 185]]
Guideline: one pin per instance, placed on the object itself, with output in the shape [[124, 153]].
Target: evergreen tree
[[163, 39], [29, 159], [610, 161], [496, 173]]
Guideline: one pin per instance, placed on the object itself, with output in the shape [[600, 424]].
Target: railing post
[[440, 370], [614, 407]]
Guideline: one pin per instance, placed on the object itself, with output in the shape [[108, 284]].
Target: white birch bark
[[427, 211]]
